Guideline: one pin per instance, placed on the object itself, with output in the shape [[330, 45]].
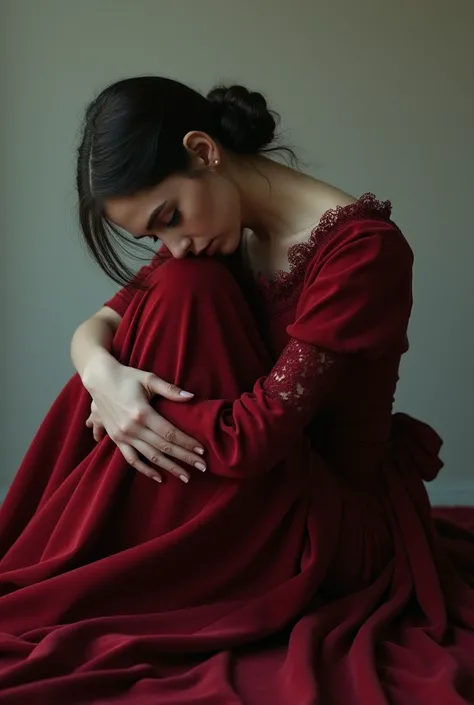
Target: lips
[[211, 248]]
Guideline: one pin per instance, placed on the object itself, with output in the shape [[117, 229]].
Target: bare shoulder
[[332, 198]]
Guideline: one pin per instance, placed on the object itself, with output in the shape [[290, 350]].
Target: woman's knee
[[192, 319], [189, 293], [191, 277]]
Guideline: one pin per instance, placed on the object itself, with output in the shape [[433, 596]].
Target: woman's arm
[[92, 342], [356, 301], [121, 402], [250, 436]]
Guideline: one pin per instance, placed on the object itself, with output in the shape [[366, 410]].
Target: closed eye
[[174, 220], [171, 223]]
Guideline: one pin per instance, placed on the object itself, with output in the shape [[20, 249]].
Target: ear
[[203, 150]]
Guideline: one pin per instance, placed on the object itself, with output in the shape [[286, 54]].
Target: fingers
[[132, 458], [171, 435], [98, 431], [172, 450], [157, 458], [156, 385], [148, 426]]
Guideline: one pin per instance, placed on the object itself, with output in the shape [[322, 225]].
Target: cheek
[[198, 212], [227, 207], [207, 217], [212, 210]]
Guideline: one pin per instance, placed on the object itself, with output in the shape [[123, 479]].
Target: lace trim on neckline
[[281, 290]]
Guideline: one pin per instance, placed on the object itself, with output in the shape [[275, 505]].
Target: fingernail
[[156, 479], [188, 395], [184, 478], [200, 466], [200, 451]]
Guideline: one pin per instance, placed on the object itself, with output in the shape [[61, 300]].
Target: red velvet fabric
[[303, 567]]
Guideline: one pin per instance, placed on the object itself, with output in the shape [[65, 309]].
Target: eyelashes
[[171, 223], [174, 220]]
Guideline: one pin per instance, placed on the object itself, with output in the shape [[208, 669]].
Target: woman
[[288, 554]]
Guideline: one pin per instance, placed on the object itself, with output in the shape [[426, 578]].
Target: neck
[[276, 201]]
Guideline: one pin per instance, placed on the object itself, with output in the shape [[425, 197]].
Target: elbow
[[108, 316], [246, 461]]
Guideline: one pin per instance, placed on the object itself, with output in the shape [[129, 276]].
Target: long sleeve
[[356, 300]]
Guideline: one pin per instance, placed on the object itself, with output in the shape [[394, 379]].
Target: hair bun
[[245, 125]]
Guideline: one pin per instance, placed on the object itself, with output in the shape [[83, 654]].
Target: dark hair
[[132, 139]]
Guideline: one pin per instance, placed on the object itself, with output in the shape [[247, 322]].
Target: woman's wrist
[[99, 364]]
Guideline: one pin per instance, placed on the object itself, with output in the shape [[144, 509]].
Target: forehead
[[131, 212]]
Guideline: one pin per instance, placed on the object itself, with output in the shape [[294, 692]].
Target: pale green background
[[376, 95]]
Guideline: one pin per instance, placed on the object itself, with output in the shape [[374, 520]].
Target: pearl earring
[[216, 162]]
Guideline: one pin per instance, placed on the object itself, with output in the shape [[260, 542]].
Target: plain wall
[[375, 96]]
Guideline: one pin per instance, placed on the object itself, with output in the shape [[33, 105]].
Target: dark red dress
[[305, 566]]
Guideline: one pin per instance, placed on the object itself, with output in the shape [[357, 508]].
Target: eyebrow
[[154, 215]]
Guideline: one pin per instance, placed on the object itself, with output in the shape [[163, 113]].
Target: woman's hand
[[121, 408]]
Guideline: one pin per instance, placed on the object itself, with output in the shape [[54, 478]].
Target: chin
[[228, 248], [227, 244]]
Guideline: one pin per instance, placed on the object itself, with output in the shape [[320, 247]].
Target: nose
[[181, 249]]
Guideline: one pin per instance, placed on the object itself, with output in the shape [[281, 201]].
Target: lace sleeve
[[301, 375], [251, 435]]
